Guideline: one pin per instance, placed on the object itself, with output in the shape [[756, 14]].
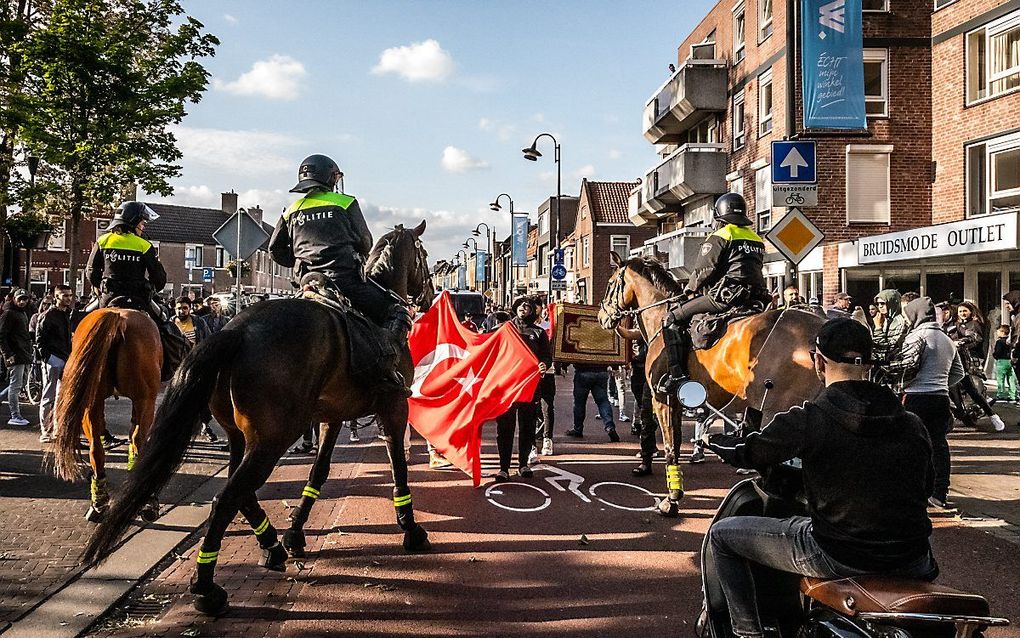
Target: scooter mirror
[[692, 394]]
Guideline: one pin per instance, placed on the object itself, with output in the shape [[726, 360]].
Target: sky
[[425, 105]]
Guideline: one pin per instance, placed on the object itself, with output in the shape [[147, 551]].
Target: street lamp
[[532, 154], [33, 166], [494, 206], [475, 242], [490, 273], [459, 264]]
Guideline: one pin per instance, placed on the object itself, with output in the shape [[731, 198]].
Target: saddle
[[708, 328]]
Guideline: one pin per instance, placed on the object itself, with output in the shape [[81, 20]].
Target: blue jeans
[[16, 380], [783, 544], [596, 383]]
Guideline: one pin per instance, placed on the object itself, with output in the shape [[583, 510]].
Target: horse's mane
[[380, 259], [653, 271]]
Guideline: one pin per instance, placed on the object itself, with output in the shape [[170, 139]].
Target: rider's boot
[[675, 337], [396, 327]]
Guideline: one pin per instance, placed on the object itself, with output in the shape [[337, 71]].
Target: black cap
[[844, 340]]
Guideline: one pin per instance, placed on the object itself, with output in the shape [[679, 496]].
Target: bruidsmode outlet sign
[[980, 234]]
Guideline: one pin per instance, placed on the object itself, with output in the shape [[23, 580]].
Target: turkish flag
[[463, 379]]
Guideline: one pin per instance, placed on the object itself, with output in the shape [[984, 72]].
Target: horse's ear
[[419, 229], [615, 258]]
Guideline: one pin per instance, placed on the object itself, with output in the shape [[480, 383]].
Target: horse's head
[[636, 283], [399, 262], [619, 295]]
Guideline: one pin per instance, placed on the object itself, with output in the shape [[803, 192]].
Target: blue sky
[[426, 105]]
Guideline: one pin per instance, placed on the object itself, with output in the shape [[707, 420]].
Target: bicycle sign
[[800, 195], [507, 496]]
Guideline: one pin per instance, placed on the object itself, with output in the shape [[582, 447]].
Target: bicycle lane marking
[[565, 481], [496, 489]]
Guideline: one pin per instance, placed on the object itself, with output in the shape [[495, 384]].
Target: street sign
[[240, 235], [207, 275], [559, 271], [558, 256], [800, 195], [793, 162], [558, 284], [795, 236]]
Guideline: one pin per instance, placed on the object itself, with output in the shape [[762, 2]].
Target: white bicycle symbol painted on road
[[565, 481]]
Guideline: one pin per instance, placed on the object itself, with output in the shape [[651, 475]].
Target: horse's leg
[[393, 422], [294, 538], [94, 427], [274, 556], [142, 412], [670, 419]]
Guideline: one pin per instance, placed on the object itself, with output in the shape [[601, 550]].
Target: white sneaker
[[997, 423], [533, 457], [45, 438], [18, 420], [547, 449], [354, 436]]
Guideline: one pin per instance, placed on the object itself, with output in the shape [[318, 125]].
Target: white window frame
[[614, 238], [763, 198], [586, 251], [196, 252], [765, 122], [739, 134], [992, 147], [58, 242], [765, 22], [879, 55], [991, 30], [943, 4], [864, 149], [739, 46], [884, 9], [221, 257]]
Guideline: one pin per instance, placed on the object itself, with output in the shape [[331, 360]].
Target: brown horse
[[114, 352], [772, 345], [273, 370]]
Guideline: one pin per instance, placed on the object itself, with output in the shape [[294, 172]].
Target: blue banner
[[480, 257], [832, 61], [461, 277], [520, 241]]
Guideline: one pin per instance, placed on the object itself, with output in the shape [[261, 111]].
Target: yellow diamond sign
[[795, 236]]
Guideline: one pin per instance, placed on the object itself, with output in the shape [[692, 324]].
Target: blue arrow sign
[[793, 162]]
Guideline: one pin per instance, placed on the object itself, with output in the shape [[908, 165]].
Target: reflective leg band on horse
[[206, 565], [100, 494], [674, 479], [405, 512], [310, 492], [132, 453], [264, 532]]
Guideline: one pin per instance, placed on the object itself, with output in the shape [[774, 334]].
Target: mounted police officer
[[124, 266], [728, 274], [325, 232]]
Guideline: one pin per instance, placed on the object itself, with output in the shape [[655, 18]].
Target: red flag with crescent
[[463, 379]]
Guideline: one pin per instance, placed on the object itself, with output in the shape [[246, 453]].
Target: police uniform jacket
[[125, 264], [322, 232], [732, 255]]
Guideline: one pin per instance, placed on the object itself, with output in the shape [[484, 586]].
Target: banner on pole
[[520, 241], [480, 258], [832, 61]]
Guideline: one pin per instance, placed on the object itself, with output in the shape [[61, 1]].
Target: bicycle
[[794, 198]]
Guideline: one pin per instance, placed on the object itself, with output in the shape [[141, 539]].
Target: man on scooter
[[867, 474]]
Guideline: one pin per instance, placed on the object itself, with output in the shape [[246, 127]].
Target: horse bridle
[[421, 267], [617, 314]]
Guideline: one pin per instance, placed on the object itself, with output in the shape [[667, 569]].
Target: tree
[[104, 81]]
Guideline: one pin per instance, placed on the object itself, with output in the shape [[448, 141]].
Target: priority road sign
[[241, 242], [795, 236], [793, 162]]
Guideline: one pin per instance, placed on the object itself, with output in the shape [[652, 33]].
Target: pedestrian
[[645, 423], [214, 319], [927, 365], [890, 331], [16, 347], [1005, 378], [592, 378], [496, 318], [547, 406], [874, 317], [469, 322], [907, 297], [33, 323], [841, 306], [53, 339], [195, 331], [969, 339], [522, 414]]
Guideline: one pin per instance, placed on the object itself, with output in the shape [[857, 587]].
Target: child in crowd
[[1005, 378]]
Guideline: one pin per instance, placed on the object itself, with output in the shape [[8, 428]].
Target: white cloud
[[240, 152], [418, 62], [229, 18], [457, 160], [272, 202], [585, 171], [615, 154], [538, 117], [485, 124], [278, 78]]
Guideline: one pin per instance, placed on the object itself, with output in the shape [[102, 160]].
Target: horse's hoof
[[211, 600], [417, 540], [668, 508], [95, 515], [294, 541], [274, 558], [150, 512]]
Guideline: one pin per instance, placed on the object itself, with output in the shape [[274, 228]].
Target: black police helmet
[[316, 171], [130, 214], [732, 209]]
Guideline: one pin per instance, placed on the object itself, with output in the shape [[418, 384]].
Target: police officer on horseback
[[125, 268], [728, 274], [325, 234]]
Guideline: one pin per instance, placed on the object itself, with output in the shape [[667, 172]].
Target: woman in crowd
[[968, 333]]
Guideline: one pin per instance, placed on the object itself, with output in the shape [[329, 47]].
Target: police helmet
[[316, 171], [130, 214], [732, 209]]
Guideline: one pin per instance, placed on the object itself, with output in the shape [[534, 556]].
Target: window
[[875, 5], [993, 58], [993, 176], [739, 23], [764, 103], [736, 186], [192, 255], [763, 197], [705, 132], [586, 251], [867, 184], [58, 241], [620, 244], [876, 82], [543, 222], [739, 134], [943, 3], [764, 19]]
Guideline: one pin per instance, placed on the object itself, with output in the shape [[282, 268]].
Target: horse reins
[[616, 315]]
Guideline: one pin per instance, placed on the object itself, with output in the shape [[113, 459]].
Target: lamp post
[[494, 206], [531, 154], [459, 264], [33, 166], [473, 240], [490, 273]]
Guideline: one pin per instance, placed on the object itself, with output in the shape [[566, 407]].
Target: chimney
[[228, 202], [256, 213]]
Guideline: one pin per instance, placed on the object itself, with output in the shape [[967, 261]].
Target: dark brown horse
[[277, 367], [772, 345], [114, 352]]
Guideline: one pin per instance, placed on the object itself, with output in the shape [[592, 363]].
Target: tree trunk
[[74, 245]]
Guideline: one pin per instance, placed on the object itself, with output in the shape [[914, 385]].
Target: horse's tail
[[80, 384], [175, 423]]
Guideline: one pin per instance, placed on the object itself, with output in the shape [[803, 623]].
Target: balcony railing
[[679, 250], [696, 89], [639, 213], [693, 169]]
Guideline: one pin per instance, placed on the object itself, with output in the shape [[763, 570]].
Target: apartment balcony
[[639, 213], [679, 249], [691, 170], [695, 90]]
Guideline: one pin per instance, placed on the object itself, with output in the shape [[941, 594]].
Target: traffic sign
[[793, 162], [795, 236], [207, 275], [241, 242], [559, 271], [558, 256], [557, 284], [801, 195]]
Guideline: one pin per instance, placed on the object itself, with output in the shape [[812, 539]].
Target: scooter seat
[[878, 594]]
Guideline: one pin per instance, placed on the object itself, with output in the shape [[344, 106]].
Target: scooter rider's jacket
[[125, 264], [322, 232], [867, 471], [732, 255]]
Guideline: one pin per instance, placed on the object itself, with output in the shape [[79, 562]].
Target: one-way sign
[[793, 162]]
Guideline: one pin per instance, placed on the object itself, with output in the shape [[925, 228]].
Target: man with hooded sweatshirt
[[867, 476], [928, 365], [888, 337]]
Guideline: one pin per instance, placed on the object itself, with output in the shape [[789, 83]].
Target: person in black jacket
[[16, 347], [523, 414], [53, 339], [867, 474]]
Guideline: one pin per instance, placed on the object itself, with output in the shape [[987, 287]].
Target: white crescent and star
[[432, 360]]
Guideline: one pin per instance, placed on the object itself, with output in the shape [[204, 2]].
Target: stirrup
[[669, 383]]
